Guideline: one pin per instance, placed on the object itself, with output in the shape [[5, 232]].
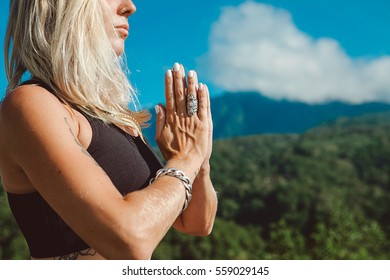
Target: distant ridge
[[250, 113]]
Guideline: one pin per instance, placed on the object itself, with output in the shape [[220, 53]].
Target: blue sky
[[305, 50]]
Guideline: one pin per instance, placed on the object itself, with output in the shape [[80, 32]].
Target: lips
[[123, 30]]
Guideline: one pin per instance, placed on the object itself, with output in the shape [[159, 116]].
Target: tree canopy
[[323, 194]]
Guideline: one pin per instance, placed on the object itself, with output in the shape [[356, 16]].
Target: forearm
[[198, 218], [157, 206]]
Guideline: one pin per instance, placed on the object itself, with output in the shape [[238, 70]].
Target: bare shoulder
[[23, 113], [31, 108], [29, 102]]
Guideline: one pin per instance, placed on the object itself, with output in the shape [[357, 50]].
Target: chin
[[119, 51], [119, 48]]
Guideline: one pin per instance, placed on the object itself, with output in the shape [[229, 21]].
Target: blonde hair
[[64, 44]]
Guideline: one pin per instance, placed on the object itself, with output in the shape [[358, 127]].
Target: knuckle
[[191, 82], [170, 103], [202, 106], [178, 75], [170, 94]]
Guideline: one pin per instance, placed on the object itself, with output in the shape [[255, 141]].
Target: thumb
[[160, 119]]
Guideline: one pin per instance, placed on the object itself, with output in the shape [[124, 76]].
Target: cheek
[[108, 15], [117, 42], [109, 11]]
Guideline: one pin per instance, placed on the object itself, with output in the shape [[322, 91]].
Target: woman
[[81, 182]]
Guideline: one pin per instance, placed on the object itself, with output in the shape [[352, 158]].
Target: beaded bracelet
[[173, 172]]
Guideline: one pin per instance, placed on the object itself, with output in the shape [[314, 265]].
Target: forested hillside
[[250, 113], [324, 194]]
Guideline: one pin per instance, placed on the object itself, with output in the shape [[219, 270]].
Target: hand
[[193, 86], [206, 162], [178, 135]]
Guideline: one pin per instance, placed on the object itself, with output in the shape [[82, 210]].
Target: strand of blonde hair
[[64, 44]]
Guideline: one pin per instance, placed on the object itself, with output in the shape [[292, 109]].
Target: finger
[[192, 82], [202, 101], [183, 72], [160, 119], [208, 106], [191, 90], [209, 115], [169, 96], [179, 88]]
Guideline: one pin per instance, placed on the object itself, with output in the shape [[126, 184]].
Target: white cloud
[[258, 47]]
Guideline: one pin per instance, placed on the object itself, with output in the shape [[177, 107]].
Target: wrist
[[205, 169], [178, 174], [188, 166]]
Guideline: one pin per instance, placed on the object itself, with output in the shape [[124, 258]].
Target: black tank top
[[128, 161]]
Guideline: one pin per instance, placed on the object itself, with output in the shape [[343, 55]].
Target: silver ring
[[192, 104]]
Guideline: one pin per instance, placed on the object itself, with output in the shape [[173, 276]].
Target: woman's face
[[115, 15]]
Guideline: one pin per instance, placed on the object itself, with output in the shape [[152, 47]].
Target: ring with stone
[[192, 104]]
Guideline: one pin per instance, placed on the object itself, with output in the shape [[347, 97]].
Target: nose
[[126, 8]]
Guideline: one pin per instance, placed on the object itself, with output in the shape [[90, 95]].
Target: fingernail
[[176, 67], [169, 73], [201, 86], [157, 109], [191, 73]]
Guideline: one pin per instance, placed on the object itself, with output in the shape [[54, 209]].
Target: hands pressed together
[[184, 130]]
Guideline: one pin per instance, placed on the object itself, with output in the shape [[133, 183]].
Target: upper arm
[[42, 140]]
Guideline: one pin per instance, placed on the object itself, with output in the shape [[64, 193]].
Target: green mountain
[[321, 194], [250, 113]]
